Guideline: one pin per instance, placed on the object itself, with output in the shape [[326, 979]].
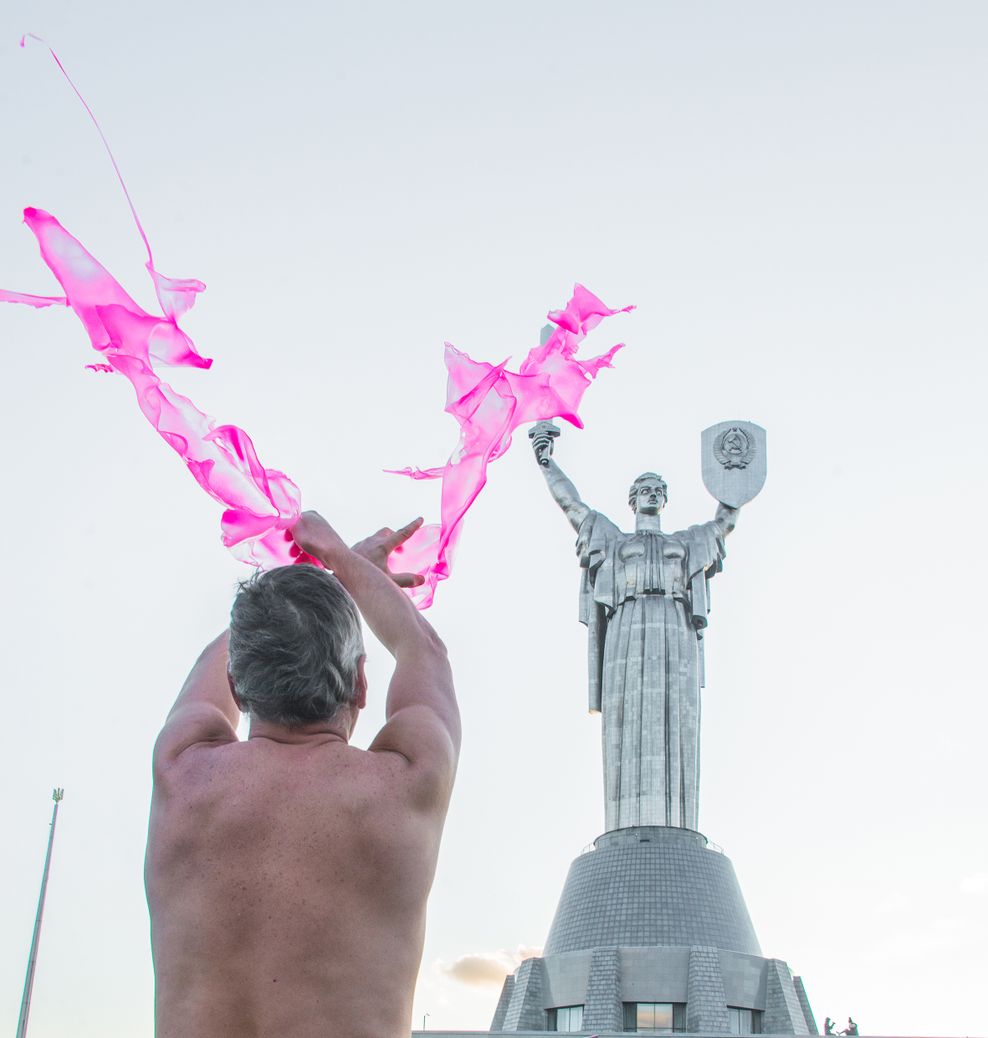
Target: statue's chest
[[654, 563]]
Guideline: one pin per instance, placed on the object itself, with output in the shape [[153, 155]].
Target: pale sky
[[794, 196]]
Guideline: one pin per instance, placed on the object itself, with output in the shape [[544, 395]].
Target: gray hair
[[652, 477], [295, 643]]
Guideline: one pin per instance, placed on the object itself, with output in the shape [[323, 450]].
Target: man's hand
[[380, 545], [317, 538]]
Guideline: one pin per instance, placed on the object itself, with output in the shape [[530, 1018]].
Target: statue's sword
[[546, 431]]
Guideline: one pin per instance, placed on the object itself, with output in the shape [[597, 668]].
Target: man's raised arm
[[423, 721], [205, 710]]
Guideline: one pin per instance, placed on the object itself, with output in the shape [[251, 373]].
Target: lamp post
[[56, 795]]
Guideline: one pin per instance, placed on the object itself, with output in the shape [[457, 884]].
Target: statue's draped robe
[[643, 597]]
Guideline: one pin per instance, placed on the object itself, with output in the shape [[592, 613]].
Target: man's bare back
[[287, 875]]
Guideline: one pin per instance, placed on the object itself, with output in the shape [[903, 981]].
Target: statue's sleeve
[[596, 549], [705, 551]]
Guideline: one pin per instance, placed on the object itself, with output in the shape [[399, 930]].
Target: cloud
[[486, 968], [477, 969]]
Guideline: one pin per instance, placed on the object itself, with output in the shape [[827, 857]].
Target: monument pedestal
[[652, 924]]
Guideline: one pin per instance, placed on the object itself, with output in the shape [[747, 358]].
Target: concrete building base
[[653, 914]]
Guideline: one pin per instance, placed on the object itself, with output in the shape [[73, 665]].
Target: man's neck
[[337, 730]]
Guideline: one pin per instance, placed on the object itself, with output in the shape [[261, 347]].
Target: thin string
[[106, 143]]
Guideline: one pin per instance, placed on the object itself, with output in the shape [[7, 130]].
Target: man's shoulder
[[201, 764], [331, 778], [258, 763], [189, 727]]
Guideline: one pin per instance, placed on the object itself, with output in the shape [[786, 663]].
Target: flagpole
[[56, 795]]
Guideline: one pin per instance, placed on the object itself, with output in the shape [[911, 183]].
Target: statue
[[644, 597]]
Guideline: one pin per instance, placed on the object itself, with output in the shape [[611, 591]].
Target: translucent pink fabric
[[261, 505], [490, 402]]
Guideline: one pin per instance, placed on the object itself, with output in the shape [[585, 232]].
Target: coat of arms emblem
[[733, 461], [734, 448]]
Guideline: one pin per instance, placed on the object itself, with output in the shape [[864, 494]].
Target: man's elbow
[[451, 719], [434, 658], [423, 642]]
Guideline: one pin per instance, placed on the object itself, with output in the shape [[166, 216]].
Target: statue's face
[[651, 497]]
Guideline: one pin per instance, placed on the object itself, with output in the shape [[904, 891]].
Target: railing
[[710, 845]]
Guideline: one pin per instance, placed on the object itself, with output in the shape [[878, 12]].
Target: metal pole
[[56, 795]]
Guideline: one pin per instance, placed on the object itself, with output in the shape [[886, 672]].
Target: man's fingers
[[402, 535], [408, 579]]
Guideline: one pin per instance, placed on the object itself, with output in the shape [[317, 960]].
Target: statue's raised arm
[[563, 492]]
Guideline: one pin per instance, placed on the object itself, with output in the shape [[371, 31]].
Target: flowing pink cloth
[[490, 402], [261, 505]]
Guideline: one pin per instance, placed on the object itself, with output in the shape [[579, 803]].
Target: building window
[[744, 1021], [655, 1017], [565, 1018]]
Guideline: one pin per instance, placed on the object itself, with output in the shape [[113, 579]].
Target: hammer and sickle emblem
[[734, 448], [733, 443]]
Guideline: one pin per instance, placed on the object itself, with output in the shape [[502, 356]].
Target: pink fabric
[[490, 402], [175, 295], [35, 301], [261, 505]]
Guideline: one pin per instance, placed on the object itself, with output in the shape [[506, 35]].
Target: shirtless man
[[287, 875]]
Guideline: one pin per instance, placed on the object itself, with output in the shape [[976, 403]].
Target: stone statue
[[644, 598]]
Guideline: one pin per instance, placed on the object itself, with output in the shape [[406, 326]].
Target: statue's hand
[[542, 434]]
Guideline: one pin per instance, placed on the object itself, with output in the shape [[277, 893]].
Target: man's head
[[295, 647], [648, 494]]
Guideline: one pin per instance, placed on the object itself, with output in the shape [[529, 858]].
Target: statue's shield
[[734, 461]]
